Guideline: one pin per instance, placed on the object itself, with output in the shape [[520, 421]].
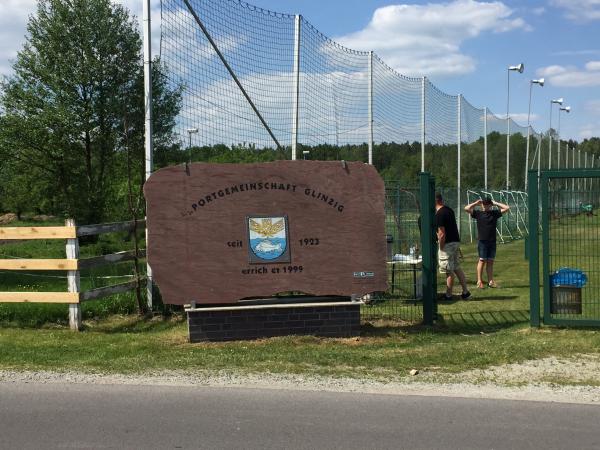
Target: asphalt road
[[45, 416]]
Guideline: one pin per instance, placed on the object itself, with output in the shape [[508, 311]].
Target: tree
[[78, 76]]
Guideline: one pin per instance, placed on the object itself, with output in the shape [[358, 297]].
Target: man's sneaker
[[466, 295], [447, 297]]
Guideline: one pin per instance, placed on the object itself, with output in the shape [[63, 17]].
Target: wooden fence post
[[73, 280]]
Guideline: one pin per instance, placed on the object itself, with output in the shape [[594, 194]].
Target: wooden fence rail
[[73, 264]]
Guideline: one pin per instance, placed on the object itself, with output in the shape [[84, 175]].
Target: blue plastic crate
[[568, 277]]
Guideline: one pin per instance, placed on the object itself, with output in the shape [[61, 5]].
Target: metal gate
[[565, 207]]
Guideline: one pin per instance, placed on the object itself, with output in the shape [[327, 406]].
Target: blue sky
[[463, 46]]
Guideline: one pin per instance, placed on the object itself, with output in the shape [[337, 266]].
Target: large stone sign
[[219, 233]]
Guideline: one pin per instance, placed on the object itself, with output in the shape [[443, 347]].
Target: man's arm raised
[[470, 206]]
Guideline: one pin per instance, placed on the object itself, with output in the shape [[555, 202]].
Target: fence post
[[458, 141], [371, 107], [428, 247], [485, 149], [533, 243], [296, 102], [423, 81], [73, 279]]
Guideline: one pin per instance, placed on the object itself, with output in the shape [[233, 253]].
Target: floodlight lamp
[[566, 108], [558, 100], [540, 82], [192, 130], [518, 68]]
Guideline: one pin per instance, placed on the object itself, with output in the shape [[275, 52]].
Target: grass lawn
[[489, 330]]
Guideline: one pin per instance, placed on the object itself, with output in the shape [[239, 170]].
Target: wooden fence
[[72, 264]]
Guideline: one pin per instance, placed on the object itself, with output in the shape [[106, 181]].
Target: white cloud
[[521, 118], [579, 10], [571, 76], [421, 40]]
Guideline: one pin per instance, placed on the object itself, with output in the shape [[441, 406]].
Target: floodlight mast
[[567, 109], [539, 82], [558, 101], [190, 132], [518, 68]]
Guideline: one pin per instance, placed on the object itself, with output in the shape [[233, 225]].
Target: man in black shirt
[[486, 235], [449, 247]]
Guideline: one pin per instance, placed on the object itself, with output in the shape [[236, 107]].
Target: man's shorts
[[448, 258], [487, 250]]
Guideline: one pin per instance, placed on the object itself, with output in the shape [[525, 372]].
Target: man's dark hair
[[438, 197], [487, 201]]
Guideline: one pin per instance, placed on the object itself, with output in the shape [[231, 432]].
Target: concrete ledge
[[229, 323]]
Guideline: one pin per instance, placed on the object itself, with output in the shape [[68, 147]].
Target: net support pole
[[573, 166], [558, 153], [550, 140], [485, 149], [528, 136], [148, 144], [539, 159], [296, 103], [527, 155], [231, 72], [591, 179], [585, 167], [458, 141], [371, 107], [579, 167], [508, 133], [423, 81]]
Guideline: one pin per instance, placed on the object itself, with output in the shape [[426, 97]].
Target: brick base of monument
[[230, 323]]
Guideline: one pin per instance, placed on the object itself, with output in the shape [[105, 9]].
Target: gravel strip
[[489, 383]]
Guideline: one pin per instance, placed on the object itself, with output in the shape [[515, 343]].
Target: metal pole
[[550, 139], [572, 167], [528, 134], [539, 158], [423, 81], [558, 142], [507, 130], [591, 179], [148, 144], [371, 107], [485, 148], [296, 102], [459, 139], [578, 167], [585, 167]]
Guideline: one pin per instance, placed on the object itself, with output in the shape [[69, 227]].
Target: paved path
[[34, 416]]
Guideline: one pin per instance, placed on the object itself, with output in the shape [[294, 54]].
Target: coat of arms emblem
[[268, 239]]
